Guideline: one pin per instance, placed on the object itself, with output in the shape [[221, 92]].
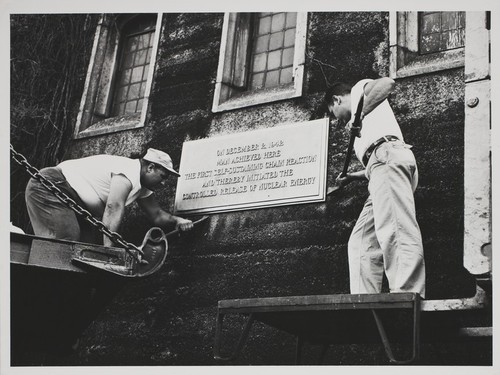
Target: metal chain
[[63, 197]]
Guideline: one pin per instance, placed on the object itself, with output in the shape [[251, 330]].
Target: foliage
[[49, 57]]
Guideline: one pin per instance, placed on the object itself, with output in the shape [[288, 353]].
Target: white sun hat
[[161, 158]]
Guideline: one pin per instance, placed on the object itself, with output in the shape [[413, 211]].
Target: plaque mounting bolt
[[472, 102]]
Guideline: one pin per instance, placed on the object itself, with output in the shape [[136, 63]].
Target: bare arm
[[376, 92], [343, 181], [160, 217], [119, 190]]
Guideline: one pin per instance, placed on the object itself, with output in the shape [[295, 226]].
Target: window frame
[[260, 96], [405, 60], [100, 81]]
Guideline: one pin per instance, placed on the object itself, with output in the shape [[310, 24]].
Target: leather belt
[[374, 145]]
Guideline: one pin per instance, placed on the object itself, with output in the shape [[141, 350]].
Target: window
[[133, 70], [119, 75], [424, 42], [441, 31], [272, 50], [261, 59]]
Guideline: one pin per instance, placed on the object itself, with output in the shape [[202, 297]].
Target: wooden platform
[[348, 319]]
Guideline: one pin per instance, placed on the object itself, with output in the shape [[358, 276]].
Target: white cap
[[161, 158]]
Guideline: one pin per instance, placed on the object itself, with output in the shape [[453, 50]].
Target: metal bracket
[[416, 335], [110, 259], [241, 340], [119, 262]]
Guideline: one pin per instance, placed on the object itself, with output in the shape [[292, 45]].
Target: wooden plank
[[319, 302]]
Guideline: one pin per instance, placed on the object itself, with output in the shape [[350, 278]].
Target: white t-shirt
[[91, 179], [378, 123]]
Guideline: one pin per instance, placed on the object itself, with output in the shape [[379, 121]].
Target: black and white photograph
[[211, 188]]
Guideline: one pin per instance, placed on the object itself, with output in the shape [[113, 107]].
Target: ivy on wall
[[49, 56]]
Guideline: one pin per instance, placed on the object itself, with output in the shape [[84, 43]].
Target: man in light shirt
[[386, 237], [103, 185]]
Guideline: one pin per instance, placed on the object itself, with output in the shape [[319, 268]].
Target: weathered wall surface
[[169, 318]]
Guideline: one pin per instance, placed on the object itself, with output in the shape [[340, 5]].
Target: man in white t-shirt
[[386, 236], [103, 185]]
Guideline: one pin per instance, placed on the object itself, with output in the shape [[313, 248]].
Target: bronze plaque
[[275, 166]]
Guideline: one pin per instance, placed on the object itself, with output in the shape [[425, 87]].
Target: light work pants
[[386, 237], [52, 218]]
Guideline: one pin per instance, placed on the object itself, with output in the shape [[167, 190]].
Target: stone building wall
[[169, 318]]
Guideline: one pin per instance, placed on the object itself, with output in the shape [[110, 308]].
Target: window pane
[[290, 37], [286, 75], [461, 37], [449, 21], [143, 41], [139, 105], [278, 22], [431, 23], [131, 107], [276, 41], [136, 47], [133, 91], [461, 20], [272, 78], [452, 39], [291, 19], [261, 44], [141, 57], [264, 25], [287, 57], [274, 60], [430, 43], [257, 81], [259, 62], [137, 74]]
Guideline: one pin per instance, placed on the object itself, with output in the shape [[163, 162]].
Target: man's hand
[[184, 225], [343, 180], [356, 130], [162, 218]]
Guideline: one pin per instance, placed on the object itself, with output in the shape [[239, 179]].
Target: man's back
[[90, 177]]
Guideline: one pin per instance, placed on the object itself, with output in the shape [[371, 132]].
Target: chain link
[[63, 197]]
